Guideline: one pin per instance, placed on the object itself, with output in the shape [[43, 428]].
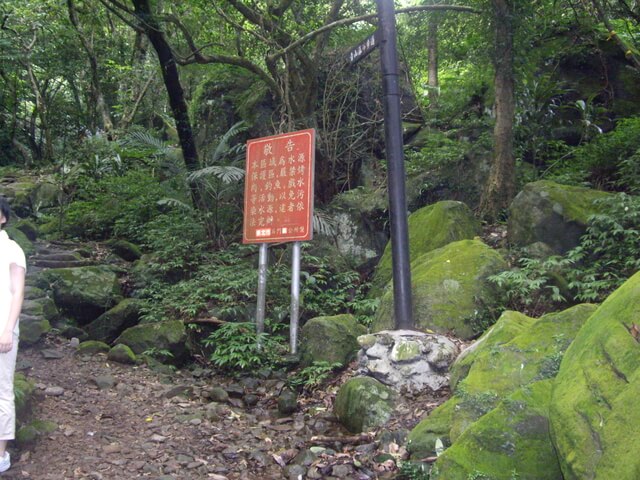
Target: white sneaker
[[5, 462]]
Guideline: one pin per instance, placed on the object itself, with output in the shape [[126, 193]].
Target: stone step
[[62, 256], [61, 263]]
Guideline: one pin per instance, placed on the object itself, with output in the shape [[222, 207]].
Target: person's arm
[[17, 292]]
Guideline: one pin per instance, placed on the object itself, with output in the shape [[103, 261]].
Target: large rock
[[450, 288], [407, 360], [160, 338], [33, 328], [430, 228], [594, 412], [363, 403], [82, 293], [112, 323], [356, 236], [551, 213], [512, 441], [515, 352], [330, 339]]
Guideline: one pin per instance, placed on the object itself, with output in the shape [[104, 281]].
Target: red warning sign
[[278, 188]]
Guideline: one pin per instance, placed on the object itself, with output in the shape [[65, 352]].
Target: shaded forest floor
[[116, 421]]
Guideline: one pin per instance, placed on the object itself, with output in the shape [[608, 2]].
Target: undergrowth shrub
[[237, 346], [115, 205], [610, 160]]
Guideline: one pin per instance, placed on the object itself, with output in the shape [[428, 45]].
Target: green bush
[[609, 161], [237, 346], [115, 205]]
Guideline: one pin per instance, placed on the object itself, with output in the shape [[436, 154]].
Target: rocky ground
[[112, 421]]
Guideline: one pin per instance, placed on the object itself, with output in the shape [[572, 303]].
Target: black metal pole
[[395, 160]]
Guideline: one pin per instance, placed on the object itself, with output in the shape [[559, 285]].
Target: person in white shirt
[[12, 274]]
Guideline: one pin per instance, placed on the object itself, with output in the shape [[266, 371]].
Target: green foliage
[[610, 160], [177, 242], [609, 252], [237, 346], [533, 286], [115, 205], [160, 354], [328, 290], [414, 471], [311, 377]]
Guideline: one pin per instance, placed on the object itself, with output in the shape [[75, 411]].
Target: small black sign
[[363, 49]]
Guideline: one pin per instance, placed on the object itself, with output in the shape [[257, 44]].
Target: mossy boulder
[[21, 239], [511, 441], [18, 193], [41, 307], [163, 337], [28, 228], [113, 322], [450, 289], [92, 347], [363, 403], [356, 237], [554, 214], [82, 293], [124, 249], [23, 389], [330, 339], [122, 354], [422, 439], [430, 228], [33, 328], [515, 352], [594, 411], [45, 195]]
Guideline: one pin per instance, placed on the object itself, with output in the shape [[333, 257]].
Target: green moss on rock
[[113, 322], [363, 403], [168, 336], [92, 347], [430, 227], [330, 339], [551, 213], [122, 354], [21, 239], [82, 293], [516, 352], [449, 289], [422, 439], [512, 441], [594, 412]]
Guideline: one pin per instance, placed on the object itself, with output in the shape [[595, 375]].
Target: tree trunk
[[174, 89], [500, 187], [42, 112], [432, 49], [96, 90]]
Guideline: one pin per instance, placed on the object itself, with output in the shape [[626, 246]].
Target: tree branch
[[349, 21]]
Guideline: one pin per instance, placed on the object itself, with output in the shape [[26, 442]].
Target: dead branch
[[351, 440]]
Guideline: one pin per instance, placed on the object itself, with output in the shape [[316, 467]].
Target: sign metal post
[[278, 206]]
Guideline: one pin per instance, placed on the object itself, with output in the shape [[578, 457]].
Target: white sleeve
[[17, 256]]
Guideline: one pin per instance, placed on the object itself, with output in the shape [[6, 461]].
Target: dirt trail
[[111, 421]]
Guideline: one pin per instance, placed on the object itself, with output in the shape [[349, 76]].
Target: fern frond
[[174, 203], [323, 223], [222, 148], [227, 174]]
